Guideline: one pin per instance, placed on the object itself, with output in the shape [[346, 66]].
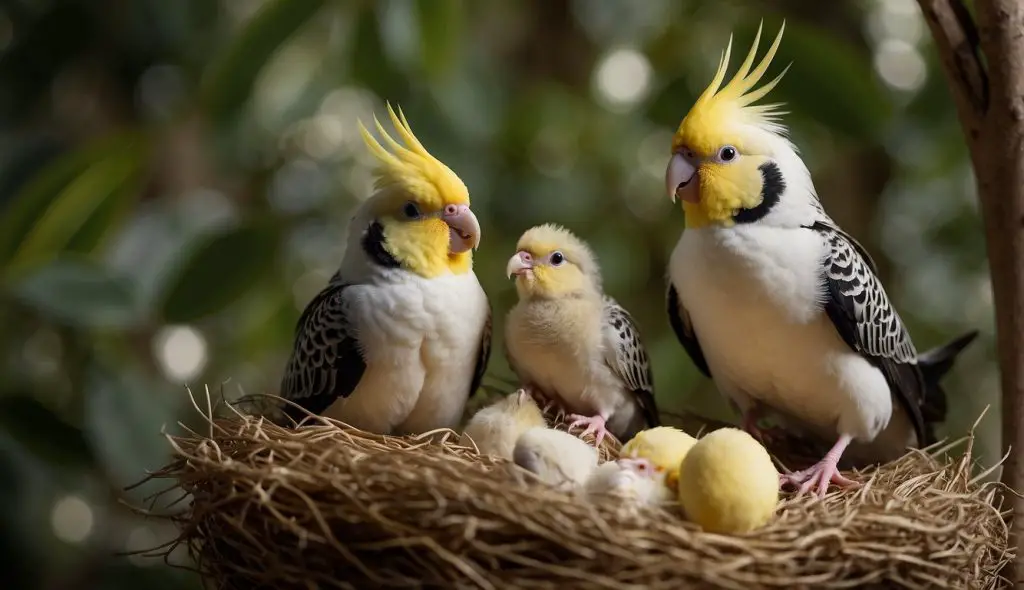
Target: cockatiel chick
[[556, 457], [496, 428], [633, 480], [400, 337], [775, 302], [566, 340]]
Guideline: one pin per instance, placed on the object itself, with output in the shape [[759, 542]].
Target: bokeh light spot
[[141, 538], [623, 78], [181, 352], [895, 19], [900, 65], [72, 519]]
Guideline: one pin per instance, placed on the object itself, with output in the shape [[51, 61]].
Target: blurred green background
[[176, 175]]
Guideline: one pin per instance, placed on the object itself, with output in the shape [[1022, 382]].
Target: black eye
[[727, 153], [557, 258], [411, 210]]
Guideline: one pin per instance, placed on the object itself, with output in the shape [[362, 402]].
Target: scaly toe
[[843, 481], [795, 478]]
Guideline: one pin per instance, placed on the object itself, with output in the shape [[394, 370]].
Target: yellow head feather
[[579, 273], [411, 167], [719, 109], [420, 244]]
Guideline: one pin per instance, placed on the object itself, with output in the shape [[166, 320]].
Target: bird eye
[[727, 153], [557, 258], [411, 210]]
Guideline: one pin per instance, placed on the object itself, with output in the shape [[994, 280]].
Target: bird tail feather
[[934, 365]]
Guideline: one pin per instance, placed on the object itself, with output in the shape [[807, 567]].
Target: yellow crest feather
[[411, 167], [717, 105]]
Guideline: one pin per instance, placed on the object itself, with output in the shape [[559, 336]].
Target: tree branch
[[990, 101], [1001, 23], [957, 40]]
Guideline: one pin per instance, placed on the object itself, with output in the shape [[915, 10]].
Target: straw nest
[[329, 506]]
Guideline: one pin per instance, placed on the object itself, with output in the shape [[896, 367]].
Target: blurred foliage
[[175, 178]]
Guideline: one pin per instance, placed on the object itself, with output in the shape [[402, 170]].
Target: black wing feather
[[627, 358], [863, 316], [326, 362], [680, 321], [484, 356]]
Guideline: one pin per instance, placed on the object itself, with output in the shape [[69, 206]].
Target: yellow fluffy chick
[[629, 479], [664, 447], [728, 483], [496, 428], [570, 342], [557, 457]]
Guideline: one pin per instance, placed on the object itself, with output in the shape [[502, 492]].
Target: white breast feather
[[755, 296], [419, 338]]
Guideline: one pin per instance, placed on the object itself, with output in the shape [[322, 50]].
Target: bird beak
[[681, 179], [463, 228], [520, 263]]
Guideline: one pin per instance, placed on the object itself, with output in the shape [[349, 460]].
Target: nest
[[329, 506]]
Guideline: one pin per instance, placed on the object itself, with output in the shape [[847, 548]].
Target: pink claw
[[821, 473], [595, 424]]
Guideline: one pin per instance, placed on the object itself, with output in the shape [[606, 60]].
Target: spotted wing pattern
[[626, 356], [326, 362], [859, 308]]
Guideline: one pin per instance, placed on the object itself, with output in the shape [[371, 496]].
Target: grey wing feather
[[326, 362], [860, 310], [626, 356]]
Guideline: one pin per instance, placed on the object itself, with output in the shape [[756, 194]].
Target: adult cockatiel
[[400, 337], [775, 302], [568, 341]]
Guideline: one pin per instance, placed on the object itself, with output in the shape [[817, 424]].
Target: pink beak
[[463, 228], [520, 264], [681, 179]]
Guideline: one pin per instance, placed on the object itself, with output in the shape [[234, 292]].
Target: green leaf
[[109, 214], [32, 201], [222, 267], [42, 433], [123, 420], [80, 293], [228, 82], [441, 24], [91, 192]]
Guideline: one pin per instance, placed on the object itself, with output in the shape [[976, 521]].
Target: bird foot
[[594, 424], [817, 478]]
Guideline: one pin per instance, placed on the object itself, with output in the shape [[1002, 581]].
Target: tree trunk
[[990, 103]]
